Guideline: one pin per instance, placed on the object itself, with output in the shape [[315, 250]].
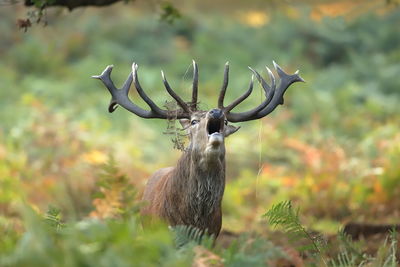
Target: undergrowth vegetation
[[71, 175], [116, 236]]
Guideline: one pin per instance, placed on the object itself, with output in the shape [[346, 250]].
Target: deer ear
[[185, 123], [230, 129]]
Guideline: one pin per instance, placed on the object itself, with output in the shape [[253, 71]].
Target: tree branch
[[71, 4]]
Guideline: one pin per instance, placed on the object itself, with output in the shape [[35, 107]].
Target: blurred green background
[[333, 148]]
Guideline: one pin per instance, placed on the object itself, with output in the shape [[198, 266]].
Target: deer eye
[[226, 122], [194, 122]]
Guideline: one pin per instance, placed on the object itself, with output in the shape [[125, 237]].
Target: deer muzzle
[[215, 127], [215, 121]]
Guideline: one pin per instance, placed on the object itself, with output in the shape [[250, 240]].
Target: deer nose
[[216, 113]]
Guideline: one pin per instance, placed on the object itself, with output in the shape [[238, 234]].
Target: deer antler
[[223, 91], [273, 95], [195, 86], [120, 96]]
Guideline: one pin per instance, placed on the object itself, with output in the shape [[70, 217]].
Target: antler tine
[[286, 81], [271, 77], [268, 91], [120, 96], [195, 86], [125, 89], [105, 78], [141, 92], [242, 97], [274, 96], [224, 86], [172, 93]]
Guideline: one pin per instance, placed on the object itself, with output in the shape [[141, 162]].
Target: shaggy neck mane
[[198, 186]]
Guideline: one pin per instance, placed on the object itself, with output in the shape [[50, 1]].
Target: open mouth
[[215, 126]]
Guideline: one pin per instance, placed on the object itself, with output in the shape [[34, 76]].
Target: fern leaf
[[185, 234], [283, 215]]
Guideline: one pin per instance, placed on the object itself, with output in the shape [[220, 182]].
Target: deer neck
[[201, 179]]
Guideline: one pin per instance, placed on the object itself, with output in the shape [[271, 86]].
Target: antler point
[[255, 73]]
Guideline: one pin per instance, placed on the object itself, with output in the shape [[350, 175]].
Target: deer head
[[191, 192], [207, 131]]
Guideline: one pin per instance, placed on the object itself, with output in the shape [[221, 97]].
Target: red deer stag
[[191, 192]]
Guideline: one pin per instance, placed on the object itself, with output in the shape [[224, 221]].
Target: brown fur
[[191, 193]]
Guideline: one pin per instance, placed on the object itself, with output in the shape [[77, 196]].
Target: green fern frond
[[185, 234], [345, 259], [392, 260], [53, 218], [352, 255], [351, 247], [283, 215], [386, 255]]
